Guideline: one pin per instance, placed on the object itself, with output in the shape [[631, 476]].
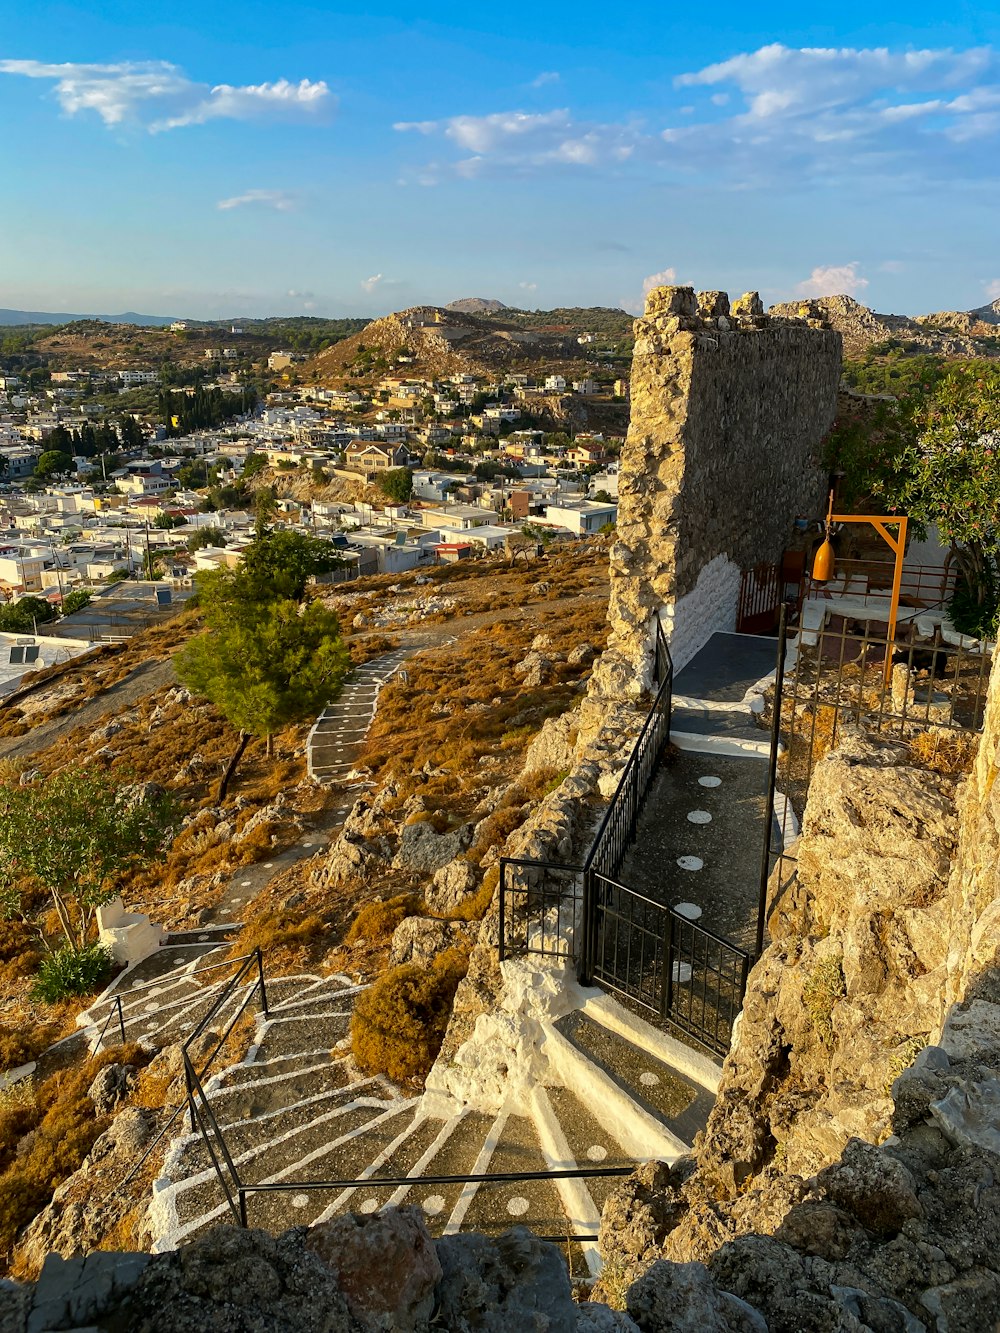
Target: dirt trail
[[146, 679]]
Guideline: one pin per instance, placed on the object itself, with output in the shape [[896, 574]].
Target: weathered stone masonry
[[729, 411]]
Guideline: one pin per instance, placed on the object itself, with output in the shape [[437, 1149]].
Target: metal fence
[[928, 696], [674, 971]]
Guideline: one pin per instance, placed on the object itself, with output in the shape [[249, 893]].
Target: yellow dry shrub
[[279, 930], [951, 752], [399, 1022], [43, 1140], [377, 920], [475, 907]]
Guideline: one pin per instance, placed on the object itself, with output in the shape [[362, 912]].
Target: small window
[[17, 655], [31, 654]]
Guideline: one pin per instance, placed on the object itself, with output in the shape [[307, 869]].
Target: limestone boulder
[[515, 1282], [423, 850], [386, 1266], [111, 1086], [682, 1298], [419, 939], [451, 885]]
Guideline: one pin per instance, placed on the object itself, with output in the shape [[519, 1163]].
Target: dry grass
[[949, 752], [399, 1023], [376, 921], [43, 1140]]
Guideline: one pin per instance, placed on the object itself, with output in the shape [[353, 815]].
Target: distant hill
[[47, 317], [968, 333], [476, 305]]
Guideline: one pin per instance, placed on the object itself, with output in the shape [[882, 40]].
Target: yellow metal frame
[[897, 544]]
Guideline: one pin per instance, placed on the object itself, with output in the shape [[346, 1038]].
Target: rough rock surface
[[715, 391], [419, 939], [451, 885], [849, 1175], [353, 1275], [423, 850]]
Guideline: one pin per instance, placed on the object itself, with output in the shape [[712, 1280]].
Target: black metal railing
[[249, 962], [114, 1012], [678, 972], [929, 695], [541, 908]]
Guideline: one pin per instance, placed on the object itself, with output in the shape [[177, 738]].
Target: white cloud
[[833, 280], [528, 286], [369, 284], [664, 278], [300, 296], [992, 289], [795, 113], [280, 200], [159, 96], [521, 139], [547, 76]]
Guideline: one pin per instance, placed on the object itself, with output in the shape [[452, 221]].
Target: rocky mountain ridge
[[968, 333]]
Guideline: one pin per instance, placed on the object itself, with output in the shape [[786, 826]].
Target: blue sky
[[237, 158]]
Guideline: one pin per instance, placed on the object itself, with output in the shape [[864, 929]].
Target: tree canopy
[[74, 835], [932, 455], [267, 661], [396, 484]]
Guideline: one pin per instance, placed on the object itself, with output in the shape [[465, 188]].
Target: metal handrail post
[[260, 978], [772, 778]]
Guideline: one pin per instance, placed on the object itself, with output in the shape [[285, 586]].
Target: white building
[[581, 518], [554, 384]]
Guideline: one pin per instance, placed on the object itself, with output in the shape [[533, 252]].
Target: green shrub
[[975, 611], [399, 1022], [72, 972], [75, 601], [823, 988]]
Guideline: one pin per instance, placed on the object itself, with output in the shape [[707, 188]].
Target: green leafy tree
[[254, 464], [266, 661], [75, 601], [933, 456], [206, 537], [22, 616], [54, 463], [397, 484], [74, 836]]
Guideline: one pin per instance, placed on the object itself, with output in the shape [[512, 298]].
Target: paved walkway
[[701, 833]]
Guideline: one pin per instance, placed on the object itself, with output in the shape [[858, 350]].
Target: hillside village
[[571, 962]]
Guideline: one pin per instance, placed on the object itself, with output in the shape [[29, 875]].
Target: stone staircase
[[338, 732], [297, 1110]]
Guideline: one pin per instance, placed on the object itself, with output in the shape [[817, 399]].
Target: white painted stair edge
[[582, 1212], [639, 1132], [692, 1064]]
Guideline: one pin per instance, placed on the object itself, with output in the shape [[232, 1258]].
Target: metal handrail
[[116, 1007]]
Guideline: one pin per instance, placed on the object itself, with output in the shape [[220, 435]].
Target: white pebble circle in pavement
[[300, 1200], [597, 1153], [178, 962], [699, 817], [517, 1206], [691, 911], [369, 1206], [649, 1080], [709, 782], [202, 939], [268, 865], [246, 883], [433, 1204], [151, 1008], [682, 972], [690, 862]]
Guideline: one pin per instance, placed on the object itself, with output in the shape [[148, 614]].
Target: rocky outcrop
[[950, 333], [352, 1275]]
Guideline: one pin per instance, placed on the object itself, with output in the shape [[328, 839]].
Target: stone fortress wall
[[729, 411]]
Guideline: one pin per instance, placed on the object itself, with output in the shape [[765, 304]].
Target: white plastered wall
[[709, 608]]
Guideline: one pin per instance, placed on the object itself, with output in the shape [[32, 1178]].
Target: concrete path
[[337, 734]]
